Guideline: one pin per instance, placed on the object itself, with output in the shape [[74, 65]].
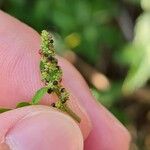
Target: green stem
[[72, 114]]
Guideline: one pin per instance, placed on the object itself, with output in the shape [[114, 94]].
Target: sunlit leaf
[[139, 72], [145, 4]]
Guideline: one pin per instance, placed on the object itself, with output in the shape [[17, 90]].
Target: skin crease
[[20, 78]]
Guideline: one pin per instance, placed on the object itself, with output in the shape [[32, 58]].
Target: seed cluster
[[51, 74]]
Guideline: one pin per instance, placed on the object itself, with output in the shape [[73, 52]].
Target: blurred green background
[[109, 43]]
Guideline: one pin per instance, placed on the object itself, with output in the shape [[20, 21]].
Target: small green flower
[[51, 74]]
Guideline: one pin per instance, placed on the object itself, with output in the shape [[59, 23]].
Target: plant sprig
[[51, 74]]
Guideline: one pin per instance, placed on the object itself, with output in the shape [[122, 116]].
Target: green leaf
[[22, 104], [139, 72], [38, 95], [2, 110], [145, 4]]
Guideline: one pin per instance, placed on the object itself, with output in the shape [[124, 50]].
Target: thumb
[[40, 128]]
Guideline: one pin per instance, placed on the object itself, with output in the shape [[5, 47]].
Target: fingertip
[[43, 129]]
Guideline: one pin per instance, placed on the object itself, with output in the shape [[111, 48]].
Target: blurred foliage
[[92, 21], [138, 53], [113, 36]]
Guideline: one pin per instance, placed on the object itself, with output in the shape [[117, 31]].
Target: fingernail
[[43, 131]]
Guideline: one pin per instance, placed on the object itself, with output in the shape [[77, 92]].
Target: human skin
[[42, 127]]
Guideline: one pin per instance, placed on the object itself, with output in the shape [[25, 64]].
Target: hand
[[42, 127]]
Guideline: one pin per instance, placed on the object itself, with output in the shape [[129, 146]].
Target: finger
[[19, 67], [107, 132], [37, 128]]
